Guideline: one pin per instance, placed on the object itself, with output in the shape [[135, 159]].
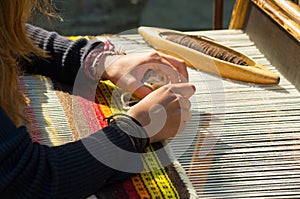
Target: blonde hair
[[14, 14]]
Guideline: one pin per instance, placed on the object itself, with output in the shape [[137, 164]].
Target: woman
[[31, 170]]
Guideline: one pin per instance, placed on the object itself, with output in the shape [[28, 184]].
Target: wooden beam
[[239, 14], [286, 16], [218, 14]]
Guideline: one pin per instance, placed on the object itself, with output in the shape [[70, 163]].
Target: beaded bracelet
[[132, 128], [96, 57]]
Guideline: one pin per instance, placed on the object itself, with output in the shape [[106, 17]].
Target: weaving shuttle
[[204, 54]]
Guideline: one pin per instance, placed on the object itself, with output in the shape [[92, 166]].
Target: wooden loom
[[243, 140], [207, 55]]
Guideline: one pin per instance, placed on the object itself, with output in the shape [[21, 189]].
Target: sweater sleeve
[[66, 56], [31, 170]]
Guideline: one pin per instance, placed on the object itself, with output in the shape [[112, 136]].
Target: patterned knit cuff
[[132, 128], [96, 59]]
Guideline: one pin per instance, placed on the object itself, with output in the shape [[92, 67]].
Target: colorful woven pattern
[[44, 111], [50, 124]]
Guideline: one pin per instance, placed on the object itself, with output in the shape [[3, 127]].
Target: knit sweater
[[31, 170]]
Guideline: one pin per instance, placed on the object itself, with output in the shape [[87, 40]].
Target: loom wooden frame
[[284, 13], [277, 35]]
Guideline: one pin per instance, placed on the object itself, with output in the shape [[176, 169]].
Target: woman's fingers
[[173, 111], [172, 66], [180, 102], [184, 89], [184, 103], [179, 64], [128, 71]]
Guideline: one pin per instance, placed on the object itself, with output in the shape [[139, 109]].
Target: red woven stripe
[[98, 111], [87, 108], [129, 187]]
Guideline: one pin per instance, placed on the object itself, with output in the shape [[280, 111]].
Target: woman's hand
[[127, 71], [164, 112]]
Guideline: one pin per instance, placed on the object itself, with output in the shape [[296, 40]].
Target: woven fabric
[[52, 123], [48, 124]]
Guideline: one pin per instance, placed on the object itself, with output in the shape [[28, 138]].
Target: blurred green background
[[95, 17]]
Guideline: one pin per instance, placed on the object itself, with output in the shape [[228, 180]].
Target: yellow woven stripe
[[112, 95], [105, 105], [77, 37], [159, 181], [51, 131], [160, 175], [107, 88], [151, 185], [140, 187]]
